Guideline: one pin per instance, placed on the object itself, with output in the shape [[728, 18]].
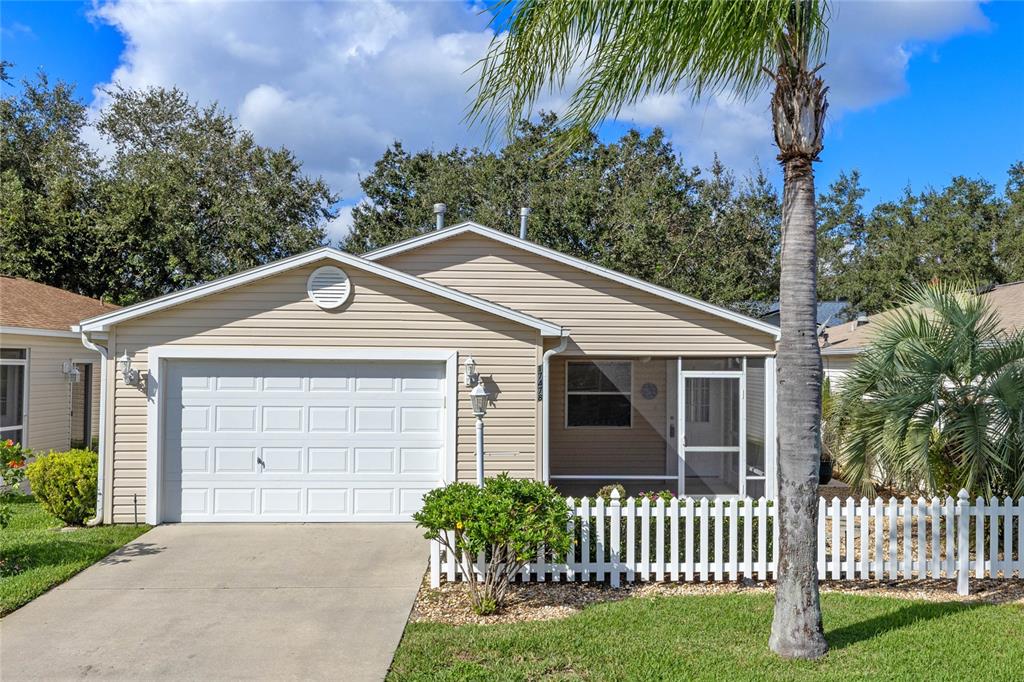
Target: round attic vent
[[329, 287]]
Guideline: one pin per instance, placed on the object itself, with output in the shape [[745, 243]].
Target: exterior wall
[[603, 317], [637, 450], [382, 313], [836, 367], [49, 393]]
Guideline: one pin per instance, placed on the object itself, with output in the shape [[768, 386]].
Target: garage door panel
[[301, 441]]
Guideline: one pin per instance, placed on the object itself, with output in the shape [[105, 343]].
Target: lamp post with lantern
[[478, 397]]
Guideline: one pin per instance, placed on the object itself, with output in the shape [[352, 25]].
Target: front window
[[13, 371], [599, 393]]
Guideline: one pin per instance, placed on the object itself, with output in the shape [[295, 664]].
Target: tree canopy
[[631, 205], [184, 195]]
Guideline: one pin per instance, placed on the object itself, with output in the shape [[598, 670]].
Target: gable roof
[[29, 305], [572, 261], [103, 322], [1007, 300]]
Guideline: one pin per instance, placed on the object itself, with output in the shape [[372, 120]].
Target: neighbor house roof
[[26, 305], [1007, 300], [557, 256], [104, 322], [828, 312]]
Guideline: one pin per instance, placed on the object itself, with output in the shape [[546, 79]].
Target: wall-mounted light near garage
[[129, 375], [478, 398], [472, 376]]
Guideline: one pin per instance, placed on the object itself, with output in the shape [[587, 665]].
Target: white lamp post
[[478, 397]]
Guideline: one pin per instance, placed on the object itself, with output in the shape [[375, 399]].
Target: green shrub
[[507, 520], [65, 484], [606, 492]]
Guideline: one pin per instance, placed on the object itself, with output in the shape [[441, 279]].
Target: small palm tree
[[936, 401], [625, 50]]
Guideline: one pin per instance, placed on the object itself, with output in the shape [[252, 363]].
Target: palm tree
[[936, 401], [621, 52]]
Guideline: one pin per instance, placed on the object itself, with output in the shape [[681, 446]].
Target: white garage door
[[301, 441]]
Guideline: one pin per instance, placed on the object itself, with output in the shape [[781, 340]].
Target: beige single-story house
[[841, 344], [49, 383], [333, 387]]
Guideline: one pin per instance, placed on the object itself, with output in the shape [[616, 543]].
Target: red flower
[[15, 464], [9, 443]]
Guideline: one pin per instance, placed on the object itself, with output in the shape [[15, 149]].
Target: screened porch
[[698, 427]]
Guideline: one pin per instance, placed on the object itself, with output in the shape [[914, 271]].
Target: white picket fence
[[728, 539]]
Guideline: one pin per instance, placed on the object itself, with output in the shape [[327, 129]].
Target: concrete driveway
[[213, 602]]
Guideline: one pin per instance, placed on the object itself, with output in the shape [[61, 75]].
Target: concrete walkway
[[217, 602]]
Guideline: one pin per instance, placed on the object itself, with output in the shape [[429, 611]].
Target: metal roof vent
[[329, 287]]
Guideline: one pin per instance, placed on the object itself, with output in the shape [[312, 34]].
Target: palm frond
[[620, 52]]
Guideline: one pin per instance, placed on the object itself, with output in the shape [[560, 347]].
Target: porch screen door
[[712, 417]]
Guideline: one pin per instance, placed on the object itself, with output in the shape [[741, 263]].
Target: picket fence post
[[435, 563], [963, 545], [616, 516]]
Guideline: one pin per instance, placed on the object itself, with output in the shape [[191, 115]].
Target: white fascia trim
[[156, 393], [841, 351], [104, 322], [33, 331], [572, 261]]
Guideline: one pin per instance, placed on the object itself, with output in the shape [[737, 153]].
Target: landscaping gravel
[[547, 601]]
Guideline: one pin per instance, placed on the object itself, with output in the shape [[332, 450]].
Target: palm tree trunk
[[798, 114], [796, 628]]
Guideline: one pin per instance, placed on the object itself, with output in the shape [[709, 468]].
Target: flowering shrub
[[507, 520], [12, 463]]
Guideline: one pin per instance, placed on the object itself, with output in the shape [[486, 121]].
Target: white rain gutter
[[102, 350], [546, 393]]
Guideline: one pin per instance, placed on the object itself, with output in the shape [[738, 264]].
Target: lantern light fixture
[[478, 397], [128, 374], [472, 376]]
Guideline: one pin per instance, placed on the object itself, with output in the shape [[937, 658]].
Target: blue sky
[[920, 91]]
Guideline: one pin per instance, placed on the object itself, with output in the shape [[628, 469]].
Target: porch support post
[[771, 448]]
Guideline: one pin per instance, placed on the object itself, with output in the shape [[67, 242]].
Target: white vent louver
[[329, 287]]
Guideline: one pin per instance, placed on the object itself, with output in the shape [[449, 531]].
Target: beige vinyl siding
[[382, 313], [49, 393], [603, 316], [639, 449], [836, 367]]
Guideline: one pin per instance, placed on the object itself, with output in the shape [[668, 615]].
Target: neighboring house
[[842, 343], [829, 312], [330, 387], [49, 383]]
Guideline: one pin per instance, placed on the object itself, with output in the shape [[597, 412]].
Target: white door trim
[[155, 393]]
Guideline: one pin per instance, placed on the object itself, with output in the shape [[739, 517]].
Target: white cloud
[[869, 50], [337, 82], [334, 82], [339, 228]]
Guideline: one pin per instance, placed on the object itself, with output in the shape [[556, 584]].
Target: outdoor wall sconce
[[472, 376], [72, 373], [129, 375]]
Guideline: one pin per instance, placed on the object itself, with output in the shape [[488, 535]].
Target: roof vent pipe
[[439, 210], [524, 212]]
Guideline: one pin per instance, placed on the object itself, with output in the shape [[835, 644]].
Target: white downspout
[[102, 350], [546, 412]]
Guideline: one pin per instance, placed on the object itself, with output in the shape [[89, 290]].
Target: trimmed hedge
[[65, 484]]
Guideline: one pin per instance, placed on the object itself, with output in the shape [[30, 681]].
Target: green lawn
[[35, 555], [725, 637]]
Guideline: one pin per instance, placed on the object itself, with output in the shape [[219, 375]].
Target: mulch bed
[[547, 601]]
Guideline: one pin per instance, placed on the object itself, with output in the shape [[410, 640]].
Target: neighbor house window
[[13, 372], [699, 407], [599, 393]]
